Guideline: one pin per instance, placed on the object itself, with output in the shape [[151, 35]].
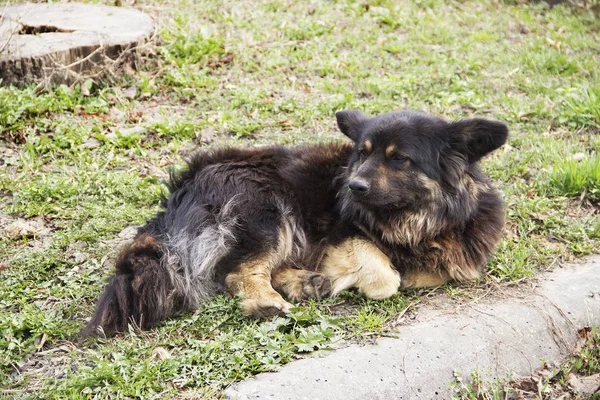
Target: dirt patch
[[34, 231]]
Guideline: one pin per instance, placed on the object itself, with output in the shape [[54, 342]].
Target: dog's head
[[404, 160]]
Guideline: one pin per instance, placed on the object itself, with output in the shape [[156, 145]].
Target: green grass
[[577, 178], [212, 346], [257, 72]]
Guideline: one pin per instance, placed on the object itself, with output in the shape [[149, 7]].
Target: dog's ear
[[349, 122], [477, 137]]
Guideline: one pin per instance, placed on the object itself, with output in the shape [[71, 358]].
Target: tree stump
[[67, 42]]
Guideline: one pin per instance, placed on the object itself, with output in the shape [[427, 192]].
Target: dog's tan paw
[[309, 285], [382, 285], [316, 286], [265, 308]]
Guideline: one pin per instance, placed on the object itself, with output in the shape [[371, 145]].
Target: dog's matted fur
[[404, 205]]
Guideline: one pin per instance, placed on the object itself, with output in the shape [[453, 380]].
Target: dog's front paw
[[265, 308], [316, 286], [309, 285], [382, 285]]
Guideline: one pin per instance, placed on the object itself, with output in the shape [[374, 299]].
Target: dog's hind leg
[[267, 224], [418, 279], [252, 282], [358, 262], [298, 285]]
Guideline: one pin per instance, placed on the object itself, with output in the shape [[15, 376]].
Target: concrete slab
[[496, 338]]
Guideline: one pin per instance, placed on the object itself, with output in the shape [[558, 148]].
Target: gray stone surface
[[38, 41], [496, 337]]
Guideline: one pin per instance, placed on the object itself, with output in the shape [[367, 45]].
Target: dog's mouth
[[373, 202], [368, 200]]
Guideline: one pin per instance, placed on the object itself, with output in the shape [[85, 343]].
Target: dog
[[403, 204]]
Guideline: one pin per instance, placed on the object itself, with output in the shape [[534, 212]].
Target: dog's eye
[[398, 160], [362, 153]]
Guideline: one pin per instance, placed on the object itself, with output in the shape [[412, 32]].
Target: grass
[[256, 72], [577, 178]]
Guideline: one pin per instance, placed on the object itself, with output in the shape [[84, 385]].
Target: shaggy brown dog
[[405, 204]]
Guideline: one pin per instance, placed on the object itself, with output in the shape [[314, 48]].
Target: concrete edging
[[496, 338]]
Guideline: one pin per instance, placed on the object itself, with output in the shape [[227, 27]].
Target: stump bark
[[68, 42]]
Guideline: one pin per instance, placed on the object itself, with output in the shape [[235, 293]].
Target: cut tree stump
[[68, 42]]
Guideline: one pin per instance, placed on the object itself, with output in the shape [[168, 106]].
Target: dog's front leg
[[252, 282], [358, 262]]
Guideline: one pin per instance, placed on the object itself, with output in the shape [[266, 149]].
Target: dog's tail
[[141, 293], [159, 275]]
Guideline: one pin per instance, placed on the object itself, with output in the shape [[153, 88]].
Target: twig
[[277, 44], [13, 390], [5, 44], [73, 64]]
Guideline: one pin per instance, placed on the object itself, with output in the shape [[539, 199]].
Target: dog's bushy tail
[[140, 294]]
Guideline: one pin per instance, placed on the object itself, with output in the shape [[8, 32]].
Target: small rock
[[379, 10], [85, 91], [77, 245], [207, 135], [111, 136], [572, 380], [157, 172], [161, 353], [584, 384], [136, 130], [117, 115], [130, 92], [5, 220], [19, 229], [91, 143], [128, 233], [57, 360], [506, 148], [79, 256], [112, 99], [578, 156]]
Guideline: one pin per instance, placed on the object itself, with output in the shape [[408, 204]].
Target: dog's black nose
[[359, 187]]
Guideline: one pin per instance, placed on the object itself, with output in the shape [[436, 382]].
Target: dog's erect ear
[[348, 121], [477, 137]]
